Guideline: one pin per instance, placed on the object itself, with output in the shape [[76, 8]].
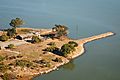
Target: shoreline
[[82, 50], [28, 74]]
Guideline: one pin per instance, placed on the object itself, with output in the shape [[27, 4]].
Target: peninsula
[[33, 52]]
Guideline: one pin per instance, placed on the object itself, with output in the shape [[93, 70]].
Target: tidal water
[[84, 18]]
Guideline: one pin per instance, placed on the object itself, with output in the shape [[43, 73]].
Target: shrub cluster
[[2, 58], [52, 44], [3, 67], [68, 48], [36, 39], [51, 49], [57, 60], [23, 63], [11, 46], [4, 38]]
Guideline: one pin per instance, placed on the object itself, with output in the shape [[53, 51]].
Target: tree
[[67, 49], [11, 32], [73, 43], [61, 30], [16, 22]]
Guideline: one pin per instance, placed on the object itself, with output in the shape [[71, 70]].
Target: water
[[87, 17]]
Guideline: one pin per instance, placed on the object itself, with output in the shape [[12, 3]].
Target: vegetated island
[[27, 52]]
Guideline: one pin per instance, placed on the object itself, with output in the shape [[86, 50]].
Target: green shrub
[[36, 39], [57, 60], [52, 44], [51, 49], [67, 49], [2, 58], [23, 63], [10, 46], [73, 43], [5, 76], [4, 38], [3, 67]]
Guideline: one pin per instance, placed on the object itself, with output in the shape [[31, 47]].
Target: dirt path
[[15, 42]]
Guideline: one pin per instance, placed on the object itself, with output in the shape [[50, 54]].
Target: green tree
[[11, 32], [67, 49], [16, 22], [73, 43], [51, 49], [61, 30]]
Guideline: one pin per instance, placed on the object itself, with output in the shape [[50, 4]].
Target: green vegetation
[[10, 46], [4, 38], [52, 44], [57, 60], [3, 67], [43, 63], [36, 39], [2, 58], [16, 22], [61, 30], [68, 48], [23, 63], [11, 32], [5, 76], [51, 49], [73, 43]]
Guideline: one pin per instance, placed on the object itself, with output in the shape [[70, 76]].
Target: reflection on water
[[69, 66]]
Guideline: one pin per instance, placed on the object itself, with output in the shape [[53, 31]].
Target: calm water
[[101, 60]]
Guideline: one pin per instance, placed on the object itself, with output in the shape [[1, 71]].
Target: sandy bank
[[80, 49]]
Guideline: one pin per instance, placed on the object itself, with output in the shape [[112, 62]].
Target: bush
[[36, 39], [10, 46], [5, 76], [4, 38], [52, 44], [57, 60], [73, 43], [51, 49], [2, 58], [23, 63], [67, 49], [11, 32], [3, 67]]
